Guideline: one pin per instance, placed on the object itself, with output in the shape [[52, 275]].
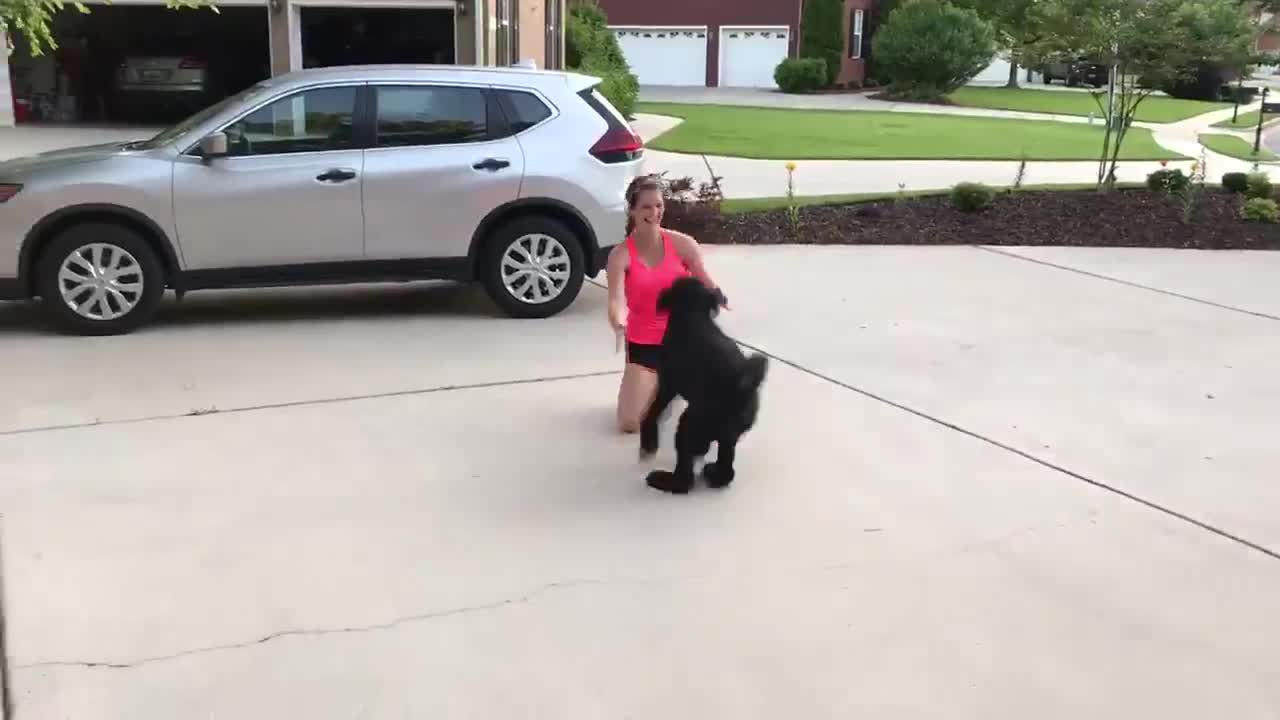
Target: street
[[994, 484]]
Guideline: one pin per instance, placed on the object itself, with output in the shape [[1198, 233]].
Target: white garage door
[[748, 56], [665, 55]]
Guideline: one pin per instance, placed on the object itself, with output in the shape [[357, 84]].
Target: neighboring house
[[727, 43], [465, 32]]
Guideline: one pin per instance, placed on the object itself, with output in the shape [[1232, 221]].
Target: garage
[[749, 55], [377, 35], [145, 64], [665, 55]]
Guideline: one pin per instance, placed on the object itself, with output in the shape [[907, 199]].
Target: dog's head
[[689, 296]]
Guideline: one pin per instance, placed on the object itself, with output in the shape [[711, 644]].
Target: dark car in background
[[1075, 71]]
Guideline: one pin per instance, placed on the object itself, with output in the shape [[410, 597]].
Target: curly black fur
[[719, 382]]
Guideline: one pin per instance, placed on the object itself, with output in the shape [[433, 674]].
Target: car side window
[[523, 109], [309, 121], [411, 115]]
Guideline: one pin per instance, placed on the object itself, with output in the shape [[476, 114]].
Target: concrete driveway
[[983, 486]]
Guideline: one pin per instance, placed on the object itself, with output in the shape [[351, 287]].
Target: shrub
[[1170, 181], [800, 75], [928, 48], [1235, 182], [1262, 210], [972, 197], [592, 49], [1259, 185], [822, 35]]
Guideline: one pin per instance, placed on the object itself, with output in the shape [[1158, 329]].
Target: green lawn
[[784, 134], [1235, 147], [1154, 109], [746, 205], [1245, 121]]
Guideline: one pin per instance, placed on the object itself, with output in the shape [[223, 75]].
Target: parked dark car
[[1075, 72]]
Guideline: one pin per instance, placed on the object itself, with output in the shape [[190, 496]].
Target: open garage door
[[144, 64], [363, 35]]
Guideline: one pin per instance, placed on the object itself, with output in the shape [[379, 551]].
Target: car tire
[[123, 280], [533, 267]]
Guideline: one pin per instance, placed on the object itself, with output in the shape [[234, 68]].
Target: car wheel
[[534, 267], [99, 279]]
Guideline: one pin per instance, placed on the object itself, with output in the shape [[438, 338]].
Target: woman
[[651, 258]]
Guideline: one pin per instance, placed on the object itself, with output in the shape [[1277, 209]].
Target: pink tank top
[[645, 325]]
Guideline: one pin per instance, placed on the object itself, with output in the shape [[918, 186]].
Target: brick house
[[724, 43]]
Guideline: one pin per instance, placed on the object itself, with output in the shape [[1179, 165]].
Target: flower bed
[[1121, 218]]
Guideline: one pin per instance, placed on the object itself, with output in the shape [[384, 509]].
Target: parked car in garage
[[1075, 71], [512, 178], [162, 75]]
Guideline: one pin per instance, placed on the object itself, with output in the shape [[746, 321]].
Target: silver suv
[[510, 177]]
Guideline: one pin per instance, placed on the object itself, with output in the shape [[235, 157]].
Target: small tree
[[930, 48], [592, 48], [1149, 43], [31, 18], [1017, 26], [822, 34]]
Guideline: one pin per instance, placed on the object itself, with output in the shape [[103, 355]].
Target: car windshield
[[173, 132]]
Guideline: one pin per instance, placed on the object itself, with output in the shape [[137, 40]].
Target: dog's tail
[[754, 371]]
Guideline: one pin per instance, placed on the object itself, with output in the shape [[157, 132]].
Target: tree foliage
[[592, 48], [930, 48], [822, 34], [32, 19], [1150, 43], [1018, 27]]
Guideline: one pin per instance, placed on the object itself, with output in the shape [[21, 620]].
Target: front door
[[439, 165], [288, 193]]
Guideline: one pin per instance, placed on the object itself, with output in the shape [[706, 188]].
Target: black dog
[[720, 384]]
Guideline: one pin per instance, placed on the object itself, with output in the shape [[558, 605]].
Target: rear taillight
[[617, 145], [190, 63], [8, 190]]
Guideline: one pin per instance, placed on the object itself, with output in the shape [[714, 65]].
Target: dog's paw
[[668, 482], [717, 476]]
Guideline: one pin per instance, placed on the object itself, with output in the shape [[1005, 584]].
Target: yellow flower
[[791, 167]]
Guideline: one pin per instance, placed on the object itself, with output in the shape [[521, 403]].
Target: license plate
[[155, 74]]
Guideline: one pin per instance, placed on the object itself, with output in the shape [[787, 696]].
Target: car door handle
[[492, 164], [336, 175]]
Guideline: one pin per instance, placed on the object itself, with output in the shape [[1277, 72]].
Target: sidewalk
[[747, 178]]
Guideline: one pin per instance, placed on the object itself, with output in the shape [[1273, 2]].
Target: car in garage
[[509, 177]]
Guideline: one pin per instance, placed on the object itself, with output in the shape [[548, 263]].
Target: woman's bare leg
[[639, 385]]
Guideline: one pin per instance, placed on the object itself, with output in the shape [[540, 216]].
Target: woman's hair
[[642, 184]]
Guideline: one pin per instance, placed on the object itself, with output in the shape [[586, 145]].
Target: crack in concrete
[[521, 599], [1128, 283], [1151, 504], [316, 401]]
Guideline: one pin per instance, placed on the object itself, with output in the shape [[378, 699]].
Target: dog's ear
[[754, 372]]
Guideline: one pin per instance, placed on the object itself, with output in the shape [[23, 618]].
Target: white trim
[[658, 27], [861, 16], [739, 28]]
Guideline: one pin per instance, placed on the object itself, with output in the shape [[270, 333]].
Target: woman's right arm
[[616, 271]]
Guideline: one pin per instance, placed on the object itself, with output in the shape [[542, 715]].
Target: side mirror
[[214, 145]]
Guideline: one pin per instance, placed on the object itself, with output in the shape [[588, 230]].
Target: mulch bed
[[1121, 218]]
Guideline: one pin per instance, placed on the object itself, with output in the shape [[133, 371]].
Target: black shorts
[[644, 355]]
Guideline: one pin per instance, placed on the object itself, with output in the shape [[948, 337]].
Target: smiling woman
[[776, 134]]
